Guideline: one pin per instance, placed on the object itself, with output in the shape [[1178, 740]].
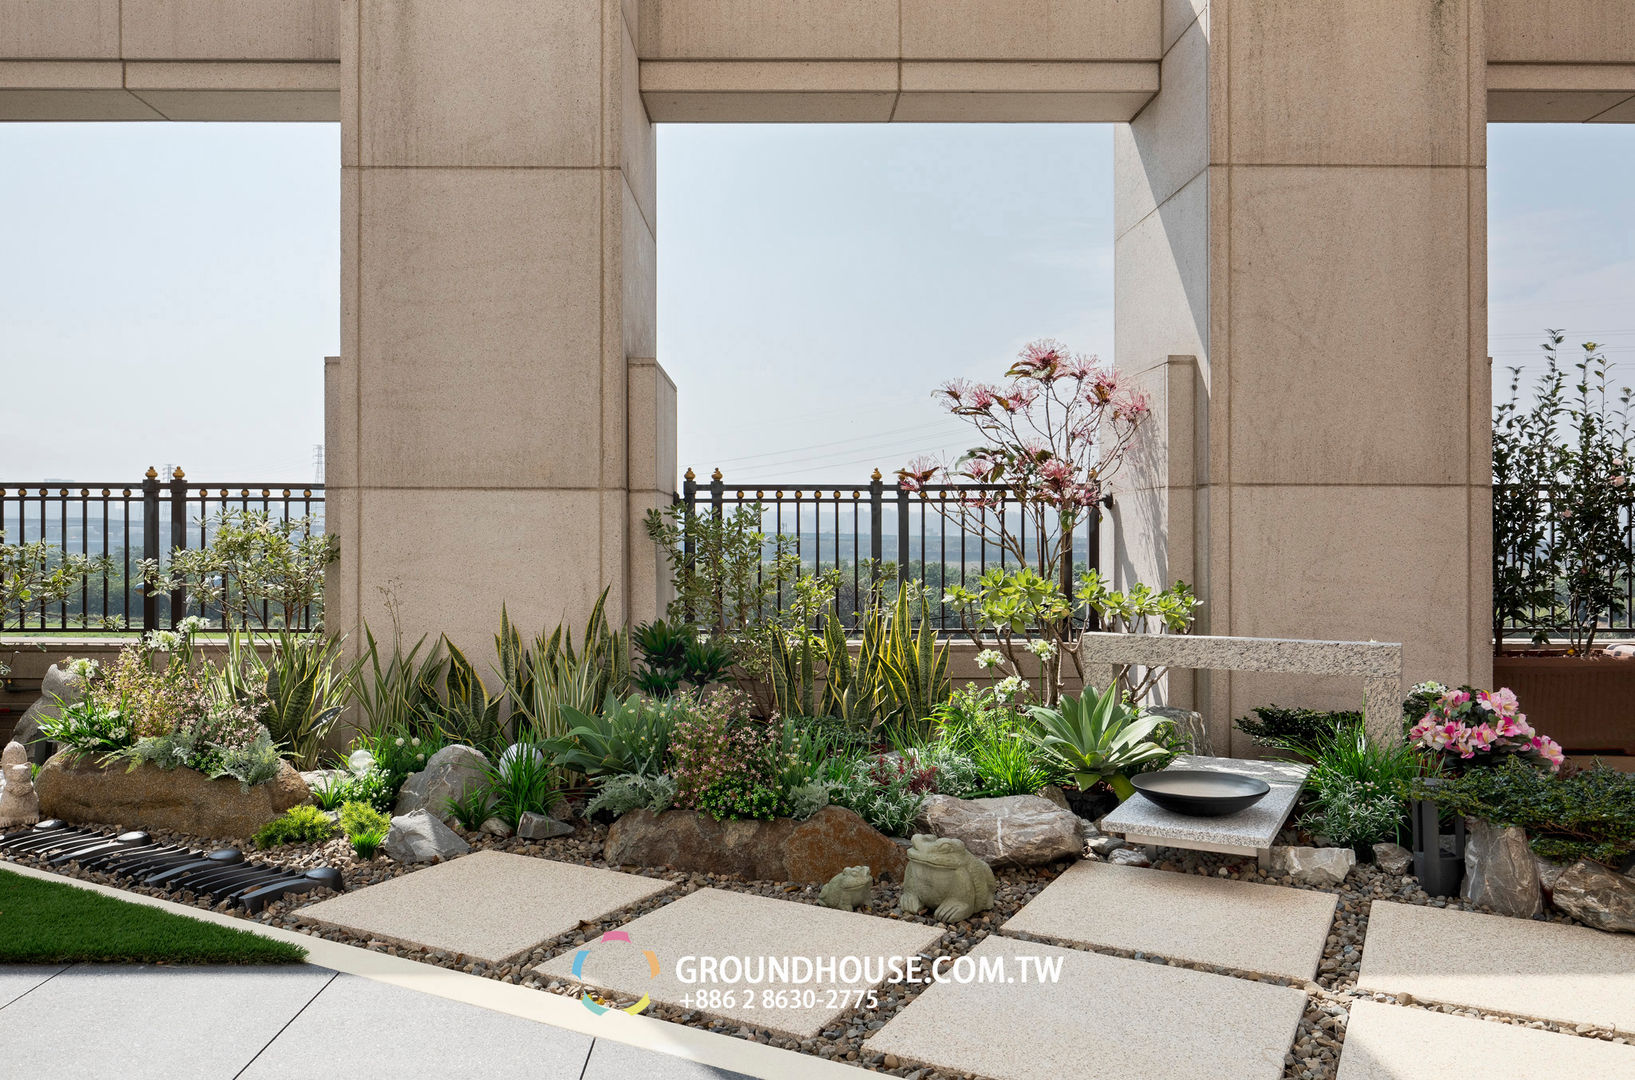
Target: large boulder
[[1500, 871], [418, 836], [451, 773], [1595, 896], [58, 688], [810, 851], [77, 789], [1314, 865], [1016, 830]]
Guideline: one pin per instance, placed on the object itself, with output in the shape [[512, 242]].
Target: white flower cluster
[[989, 658], [1044, 650], [1012, 687]]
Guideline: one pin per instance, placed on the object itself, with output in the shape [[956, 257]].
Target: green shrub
[[741, 796], [374, 787], [521, 783], [301, 825], [330, 792], [367, 843], [994, 739], [357, 817], [887, 798], [471, 809], [1357, 783], [88, 726], [1283, 729], [1586, 814], [631, 791], [629, 736]]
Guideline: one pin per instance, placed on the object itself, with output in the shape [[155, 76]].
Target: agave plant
[[631, 736], [1097, 738]]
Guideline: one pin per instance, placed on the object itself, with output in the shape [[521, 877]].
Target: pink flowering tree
[[1467, 727], [1047, 444]]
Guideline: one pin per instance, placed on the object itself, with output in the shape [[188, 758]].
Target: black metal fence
[[128, 524], [1552, 619], [879, 530]]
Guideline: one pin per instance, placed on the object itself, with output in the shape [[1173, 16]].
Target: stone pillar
[[1303, 208], [498, 273]]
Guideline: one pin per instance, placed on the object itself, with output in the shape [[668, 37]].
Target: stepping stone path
[[489, 906], [1103, 1016], [1541, 970], [1389, 1042], [1265, 929], [717, 924]]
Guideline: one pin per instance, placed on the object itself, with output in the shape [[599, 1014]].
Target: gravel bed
[[1314, 1054]]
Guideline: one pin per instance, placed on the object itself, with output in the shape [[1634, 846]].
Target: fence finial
[[178, 474], [716, 475], [875, 475], [153, 474], [690, 474]]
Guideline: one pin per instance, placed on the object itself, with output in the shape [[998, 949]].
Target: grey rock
[[419, 837], [1105, 845], [1596, 896], [1013, 831], [451, 773], [847, 890], [532, 826], [1547, 873], [1393, 858], [1055, 795], [1189, 726], [57, 688], [1500, 871], [1314, 865], [946, 878], [498, 827], [1126, 856]]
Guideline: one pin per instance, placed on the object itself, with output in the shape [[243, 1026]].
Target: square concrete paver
[[1389, 1042], [712, 924], [1543, 970], [1103, 1016], [134, 1021], [617, 1061], [489, 905], [18, 979], [439, 1038], [1266, 929]]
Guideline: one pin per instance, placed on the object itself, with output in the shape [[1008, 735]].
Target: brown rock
[[810, 851], [78, 789], [1596, 896], [1017, 830]]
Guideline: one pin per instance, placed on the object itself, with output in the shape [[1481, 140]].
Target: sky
[[165, 288]]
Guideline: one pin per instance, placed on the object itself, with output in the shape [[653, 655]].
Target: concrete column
[[1303, 208], [498, 273]]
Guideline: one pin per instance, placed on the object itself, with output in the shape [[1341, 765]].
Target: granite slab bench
[[1377, 663], [1247, 832]]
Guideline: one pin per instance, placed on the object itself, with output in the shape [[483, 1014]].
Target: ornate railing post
[[150, 545], [689, 505], [718, 492], [902, 535], [178, 538], [877, 506]]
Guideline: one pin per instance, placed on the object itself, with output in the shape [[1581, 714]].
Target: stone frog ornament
[[847, 890], [946, 878], [19, 804]]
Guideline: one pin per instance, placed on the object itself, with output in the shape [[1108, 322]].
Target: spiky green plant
[[306, 688], [854, 689], [1097, 738], [791, 671], [467, 714], [395, 694], [915, 668], [555, 674]]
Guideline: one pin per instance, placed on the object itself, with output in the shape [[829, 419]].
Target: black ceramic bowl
[[1199, 792]]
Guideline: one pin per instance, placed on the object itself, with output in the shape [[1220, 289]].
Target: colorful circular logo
[[590, 1002]]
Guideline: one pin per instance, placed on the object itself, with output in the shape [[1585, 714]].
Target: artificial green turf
[[43, 922]]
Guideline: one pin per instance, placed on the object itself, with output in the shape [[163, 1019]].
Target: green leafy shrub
[[887, 796], [88, 726], [1357, 783], [301, 692], [1585, 814], [995, 739], [1283, 728], [632, 791], [374, 787], [300, 825], [739, 795], [629, 736], [357, 817], [329, 793], [367, 842], [471, 809], [521, 782]]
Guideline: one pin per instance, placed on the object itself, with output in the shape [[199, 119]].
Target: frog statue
[[847, 890], [946, 878], [19, 805]]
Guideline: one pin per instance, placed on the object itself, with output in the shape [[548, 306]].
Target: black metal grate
[[223, 874]]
